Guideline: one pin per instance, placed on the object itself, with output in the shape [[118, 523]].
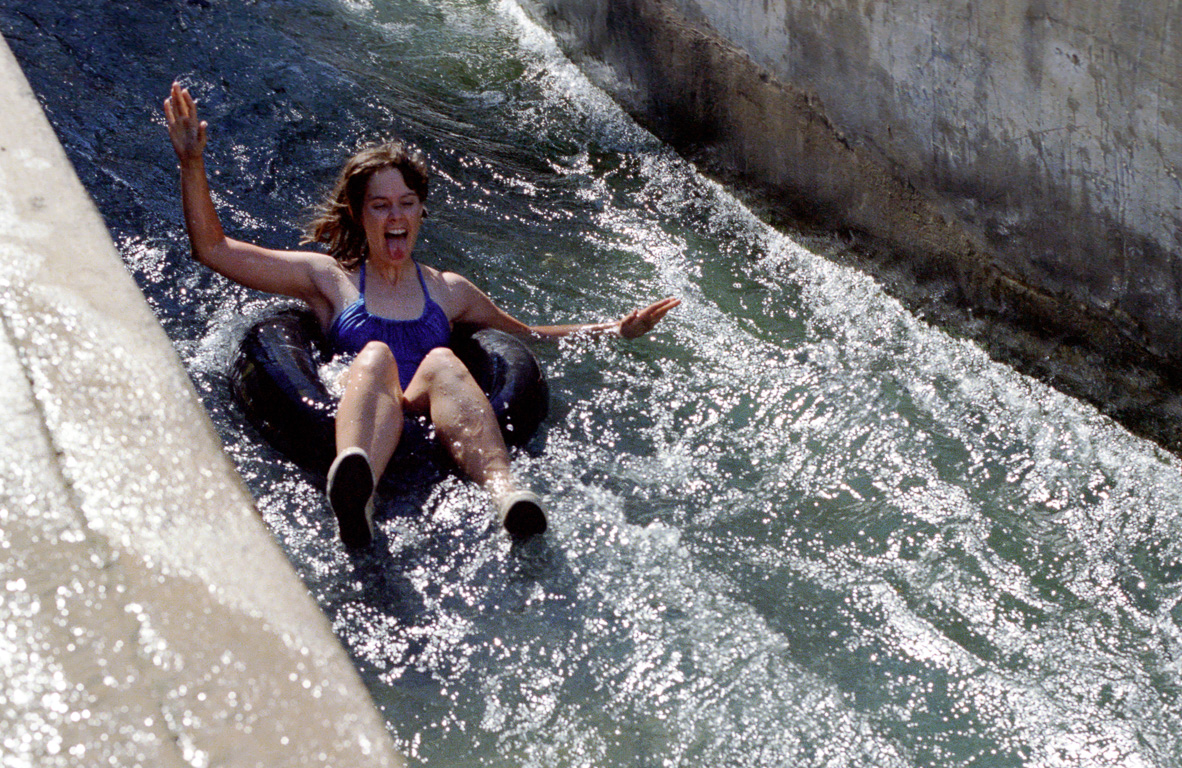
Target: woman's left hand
[[640, 321]]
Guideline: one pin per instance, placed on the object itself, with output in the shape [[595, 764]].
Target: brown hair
[[337, 221]]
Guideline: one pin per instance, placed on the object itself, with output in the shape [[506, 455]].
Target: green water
[[794, 527]]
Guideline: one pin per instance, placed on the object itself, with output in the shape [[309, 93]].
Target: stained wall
[[1015, 160]]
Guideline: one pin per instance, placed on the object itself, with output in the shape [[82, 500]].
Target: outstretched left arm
[[478, 309]]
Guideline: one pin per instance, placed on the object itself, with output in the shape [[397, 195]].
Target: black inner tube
[[275, 378]]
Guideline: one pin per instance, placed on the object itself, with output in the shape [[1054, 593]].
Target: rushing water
[[795, 526]]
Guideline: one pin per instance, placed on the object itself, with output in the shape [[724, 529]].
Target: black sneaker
[[522, 515], [350, 494]]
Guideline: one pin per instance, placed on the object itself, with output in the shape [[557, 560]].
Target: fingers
[[173, 107], [190, 104], [666, 303], [640, 321], [182, 101], [180, 107], [656, 311], [185, 128]]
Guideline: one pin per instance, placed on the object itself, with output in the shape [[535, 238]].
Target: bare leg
[[463, 419], [370, 414], [467, 426], [368, 427]]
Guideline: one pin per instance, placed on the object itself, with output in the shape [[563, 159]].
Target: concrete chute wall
[[1015, 162], [149, 619]]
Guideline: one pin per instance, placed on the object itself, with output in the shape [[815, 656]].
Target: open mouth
[[397, 239]]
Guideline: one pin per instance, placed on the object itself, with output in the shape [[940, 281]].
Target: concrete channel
[[1008, 169], [149, 619]]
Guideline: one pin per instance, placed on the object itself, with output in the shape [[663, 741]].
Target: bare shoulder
[[448, 281], [327, 273], [324, 266], [452, 291], [334, 286]]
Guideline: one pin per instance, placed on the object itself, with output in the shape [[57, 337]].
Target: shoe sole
[[525, 519], [350, 489]]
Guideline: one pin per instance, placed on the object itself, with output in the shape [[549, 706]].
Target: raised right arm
[[307, 275]]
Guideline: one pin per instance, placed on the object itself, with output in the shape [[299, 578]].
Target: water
[[796, 526]]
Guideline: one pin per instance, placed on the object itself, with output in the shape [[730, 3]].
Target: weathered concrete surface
[[148, 617], [1009, 167]]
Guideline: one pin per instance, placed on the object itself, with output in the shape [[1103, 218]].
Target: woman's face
[[391, 216]]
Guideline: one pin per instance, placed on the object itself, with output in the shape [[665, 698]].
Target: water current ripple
[[796, 527]]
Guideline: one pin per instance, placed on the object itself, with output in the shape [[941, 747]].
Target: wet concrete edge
[[149, 617]]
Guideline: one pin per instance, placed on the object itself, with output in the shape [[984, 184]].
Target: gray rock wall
[[1014, 161]]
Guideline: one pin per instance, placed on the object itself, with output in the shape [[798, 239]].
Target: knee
[[375, 361], [441, 364]]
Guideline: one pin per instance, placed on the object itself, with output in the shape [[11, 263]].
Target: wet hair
[[337, 221]]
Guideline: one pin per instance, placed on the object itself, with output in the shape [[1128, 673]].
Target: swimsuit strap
[[423, 285]]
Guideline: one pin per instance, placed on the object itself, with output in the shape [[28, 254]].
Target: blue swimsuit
[[409, 340]]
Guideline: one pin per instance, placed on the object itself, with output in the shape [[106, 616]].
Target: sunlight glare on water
[[795, 526]]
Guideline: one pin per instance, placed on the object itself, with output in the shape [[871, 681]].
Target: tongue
[[396, 245]]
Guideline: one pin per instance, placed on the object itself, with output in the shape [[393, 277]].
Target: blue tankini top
[[408, 340]]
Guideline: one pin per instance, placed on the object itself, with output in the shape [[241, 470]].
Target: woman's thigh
[[441, 374]]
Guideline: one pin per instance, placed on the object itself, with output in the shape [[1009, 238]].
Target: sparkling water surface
[[794, 526]]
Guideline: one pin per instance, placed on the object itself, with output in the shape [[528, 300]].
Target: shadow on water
[[796, 527]]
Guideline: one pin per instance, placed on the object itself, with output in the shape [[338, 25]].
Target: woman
[[372, 298]]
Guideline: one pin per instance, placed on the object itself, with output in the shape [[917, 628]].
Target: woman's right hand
[[184, 128]]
